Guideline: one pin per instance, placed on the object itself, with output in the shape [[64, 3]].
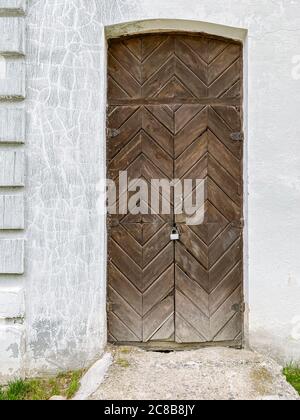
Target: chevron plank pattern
[[168, 67], [175, 102], [141, 269], [209, 256]]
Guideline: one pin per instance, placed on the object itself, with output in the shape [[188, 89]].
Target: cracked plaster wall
[[65, 233]]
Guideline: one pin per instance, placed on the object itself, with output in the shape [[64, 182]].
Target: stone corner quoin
[[12, 183]]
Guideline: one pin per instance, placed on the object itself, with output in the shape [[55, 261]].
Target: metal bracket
[[239, 308], [109, 307], [237, 136], [112, 132]]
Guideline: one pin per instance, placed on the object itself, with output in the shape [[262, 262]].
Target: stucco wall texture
[[65, 253]]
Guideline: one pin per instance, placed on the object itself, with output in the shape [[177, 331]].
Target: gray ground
[[206, 374]]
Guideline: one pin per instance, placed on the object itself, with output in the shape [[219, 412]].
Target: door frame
[[223, 33]]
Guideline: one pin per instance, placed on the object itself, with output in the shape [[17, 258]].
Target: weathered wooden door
[[175, 112]]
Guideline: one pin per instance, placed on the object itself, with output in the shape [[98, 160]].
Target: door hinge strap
[[239, 308], [109, 307], [112, 132], [237, 136]]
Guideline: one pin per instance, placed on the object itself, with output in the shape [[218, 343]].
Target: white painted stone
[[12, 77], [94, 378], [11, 256], [12, 342], [11, 169], [12, 302], [12, 35], [12, 125], [11, 212]]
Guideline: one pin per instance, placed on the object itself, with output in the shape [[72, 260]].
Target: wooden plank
[[184, 115], [122, 78], [159, 290], [156, 83], [219, 128], [119, 330], [224, 180], [226, 288], [126, 265], [126, 313], [223, 155], [197, 88], [228, 79], [128, 60], [126, 289], [190, 157], [224, 100], [191, 132], [126, 130], [157, 156], [158, 242], [191, 60], [223, 202], [164, 115], [200, 323], [190, 266], [220, 321], [166, 332], [224, 61], [154, 62], [158, 266], [193, 291], [195, 245], [223, 243], [124, 239], [157, 318], [158, 132], [225, 264]]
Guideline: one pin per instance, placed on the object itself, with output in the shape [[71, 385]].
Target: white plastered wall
[[65, 278]]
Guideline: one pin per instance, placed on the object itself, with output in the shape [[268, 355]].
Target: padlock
[[174, 234]]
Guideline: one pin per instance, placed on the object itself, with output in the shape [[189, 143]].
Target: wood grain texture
[[175, 102], [141, 258]]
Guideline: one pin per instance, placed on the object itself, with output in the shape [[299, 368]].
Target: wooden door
[[175, 112]]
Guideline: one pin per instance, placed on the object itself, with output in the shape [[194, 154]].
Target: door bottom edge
[[165, 346]]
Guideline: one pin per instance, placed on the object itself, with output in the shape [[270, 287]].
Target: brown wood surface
[[175, 104]]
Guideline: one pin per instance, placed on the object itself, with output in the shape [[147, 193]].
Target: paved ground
[[207, 374]]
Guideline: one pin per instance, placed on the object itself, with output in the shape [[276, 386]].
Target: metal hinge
[[239, 308], [112, 132], [109, 307], [237, 136]]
